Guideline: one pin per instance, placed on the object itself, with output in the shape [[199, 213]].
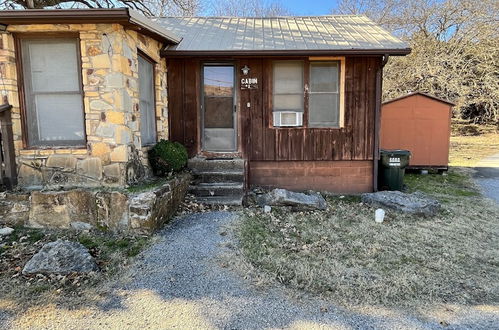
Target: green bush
[[166, 157]]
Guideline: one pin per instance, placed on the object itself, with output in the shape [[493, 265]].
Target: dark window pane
[[218, 112]]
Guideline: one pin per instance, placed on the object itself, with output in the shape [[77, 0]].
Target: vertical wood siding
[[258, 140]]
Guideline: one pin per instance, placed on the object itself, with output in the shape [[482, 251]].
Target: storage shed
[[420, 123]]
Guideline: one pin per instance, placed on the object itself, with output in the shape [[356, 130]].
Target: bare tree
[[147, 7], [256, 8], [455, 50], [175, 8]]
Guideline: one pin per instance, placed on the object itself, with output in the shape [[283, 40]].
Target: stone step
[[198, 164], [217, 189], [235, 176], [221, 200]]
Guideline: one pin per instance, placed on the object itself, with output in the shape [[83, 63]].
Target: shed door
[[218, 109]]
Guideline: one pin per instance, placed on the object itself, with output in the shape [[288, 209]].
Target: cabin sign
[[249, 83]]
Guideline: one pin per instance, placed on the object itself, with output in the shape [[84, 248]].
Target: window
[[52, 85], [146, 103], [324, 95], [323, 88], [288, 89]]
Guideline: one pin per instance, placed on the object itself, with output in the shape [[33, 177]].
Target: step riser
[[221, 201], [218, 181], [206, 192], [218, 177], [216, 165]]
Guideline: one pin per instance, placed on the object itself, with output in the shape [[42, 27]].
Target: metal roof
[[349, 33]]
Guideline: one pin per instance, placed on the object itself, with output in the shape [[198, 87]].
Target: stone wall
[[118, 210], [113, 155]]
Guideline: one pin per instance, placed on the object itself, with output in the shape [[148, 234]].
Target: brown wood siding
[[333, 176], [355, 141], [183, 103], [258, 140]]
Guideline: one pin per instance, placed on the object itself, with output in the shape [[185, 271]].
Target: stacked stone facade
[[114, 155]]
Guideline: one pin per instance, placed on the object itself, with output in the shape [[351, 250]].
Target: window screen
[[324, 94], [288, 86], [54, 107], [146, 105]]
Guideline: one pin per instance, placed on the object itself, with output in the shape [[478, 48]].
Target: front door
[[218, 109]]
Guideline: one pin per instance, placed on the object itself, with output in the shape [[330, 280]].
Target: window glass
[[54, 106], [324, 94], [288, 86], [147, 104]]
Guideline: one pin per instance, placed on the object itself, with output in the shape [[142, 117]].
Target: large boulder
[[415, 203], [301, 201], [61, 257]]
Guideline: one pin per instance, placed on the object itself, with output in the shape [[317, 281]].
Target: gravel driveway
[[487, 176], [180, 282]]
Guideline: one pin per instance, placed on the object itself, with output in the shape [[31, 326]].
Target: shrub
[[167, 156]]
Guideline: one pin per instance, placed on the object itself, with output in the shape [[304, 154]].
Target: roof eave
[[122, 16], [287, 52], [422, 94]]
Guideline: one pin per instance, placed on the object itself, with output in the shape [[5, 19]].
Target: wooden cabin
[[296, 98], [289, 102], [420, 123]]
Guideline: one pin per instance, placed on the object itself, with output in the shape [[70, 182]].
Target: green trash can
[[392, 168]]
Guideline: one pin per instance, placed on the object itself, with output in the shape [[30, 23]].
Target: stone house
[[292, 102], [88, 94]]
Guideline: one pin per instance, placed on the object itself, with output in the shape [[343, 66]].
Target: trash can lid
[[395, 152]]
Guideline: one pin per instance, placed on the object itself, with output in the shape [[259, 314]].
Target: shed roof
[[123, 16], [325, 34], [422, 94]]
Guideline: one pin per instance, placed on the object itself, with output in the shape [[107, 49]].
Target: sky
[[309, 7]]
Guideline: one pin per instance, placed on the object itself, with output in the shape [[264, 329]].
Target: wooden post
[[377, 119], [10, 179]]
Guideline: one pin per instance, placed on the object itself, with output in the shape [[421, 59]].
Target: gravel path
[[180, 282], [487, 176]]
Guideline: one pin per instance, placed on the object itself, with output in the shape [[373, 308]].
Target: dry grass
[[467, 150], [343, 254]]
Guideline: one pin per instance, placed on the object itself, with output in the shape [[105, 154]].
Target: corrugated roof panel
[[336, 32]]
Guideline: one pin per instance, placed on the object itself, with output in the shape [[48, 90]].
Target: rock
[[267, 209], [81, 226], [61, 257], [415, 203], [283, 197], [5, 231]]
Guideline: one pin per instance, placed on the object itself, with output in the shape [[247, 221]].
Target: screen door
[[218, 108]]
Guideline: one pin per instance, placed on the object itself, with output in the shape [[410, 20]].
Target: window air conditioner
[[288, 118]]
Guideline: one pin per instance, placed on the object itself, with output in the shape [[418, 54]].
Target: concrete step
[[198, 164], [217, 189], [234, 176], [221, 200]]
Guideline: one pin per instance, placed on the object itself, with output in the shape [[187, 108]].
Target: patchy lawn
[[343, 254], [112, 253], [470, 143]]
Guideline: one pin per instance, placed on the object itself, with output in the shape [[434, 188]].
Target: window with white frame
[[53, 92], [147, 104], [324, 94]]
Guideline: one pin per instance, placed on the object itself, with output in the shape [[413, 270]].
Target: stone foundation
[[122, 211]]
